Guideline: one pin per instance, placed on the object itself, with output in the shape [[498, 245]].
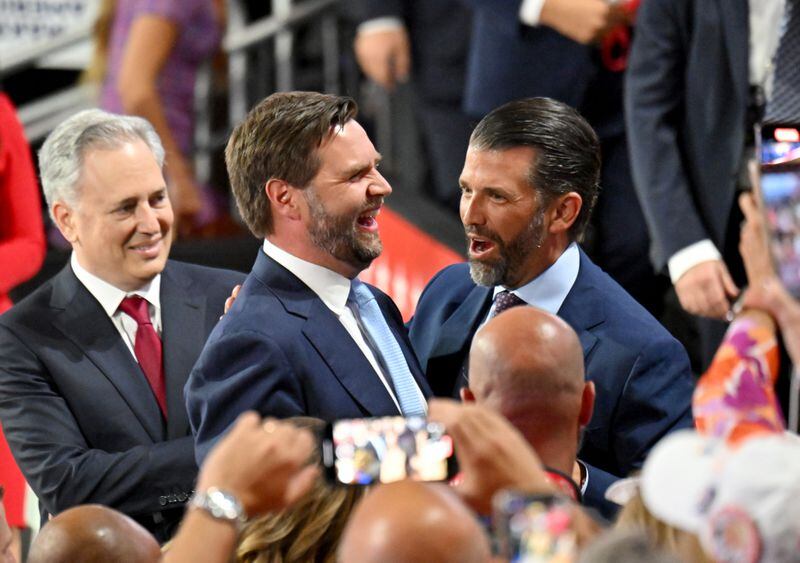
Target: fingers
[[229, 301], [300, 484], [703, 290], [384, 56], [727, 281]]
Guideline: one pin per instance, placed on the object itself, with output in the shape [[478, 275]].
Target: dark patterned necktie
[[505, 300], [784, 105]]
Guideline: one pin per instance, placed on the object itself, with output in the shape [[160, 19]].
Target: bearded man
[[305, 337], [527, 189]]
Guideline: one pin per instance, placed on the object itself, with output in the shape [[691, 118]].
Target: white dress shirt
[[110, 297], [334, 289]]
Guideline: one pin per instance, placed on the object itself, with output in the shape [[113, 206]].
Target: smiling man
[[528, 185], [304, 336], [93, 363]]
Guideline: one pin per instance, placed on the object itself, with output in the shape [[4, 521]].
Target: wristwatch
[[220, 505]]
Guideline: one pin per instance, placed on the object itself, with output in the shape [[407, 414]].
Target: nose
[[147, 219], [379, 186], [471, 210]]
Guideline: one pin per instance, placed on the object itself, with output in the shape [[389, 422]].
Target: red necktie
[[147, 348]]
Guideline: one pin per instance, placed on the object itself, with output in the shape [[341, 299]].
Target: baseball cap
[[741, 501]]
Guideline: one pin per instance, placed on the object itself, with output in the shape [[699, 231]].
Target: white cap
[[743, 503]]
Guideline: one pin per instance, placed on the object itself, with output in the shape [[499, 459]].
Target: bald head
[[93, 533], [528, 365], [409, 522]]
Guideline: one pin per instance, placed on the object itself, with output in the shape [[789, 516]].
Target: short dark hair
[[567, 151], [279, 139], [2, 492]]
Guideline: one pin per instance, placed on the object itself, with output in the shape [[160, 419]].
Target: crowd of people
[[164, 411]]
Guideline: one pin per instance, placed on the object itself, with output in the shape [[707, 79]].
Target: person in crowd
[[310, 529], [413, 521], [690, 114], [427, 40], [93, 363], [527, 364], [22, 250], [627, 547], [528, 186], [6, 538], [570, 50], [305, 178], [147, 53], [92, 533]]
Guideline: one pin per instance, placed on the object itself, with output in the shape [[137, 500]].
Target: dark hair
[[279, 139], [2, 492], [567, 151]]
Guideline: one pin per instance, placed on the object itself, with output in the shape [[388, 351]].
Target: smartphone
[[534, 528], [779, 191], [366, 451]]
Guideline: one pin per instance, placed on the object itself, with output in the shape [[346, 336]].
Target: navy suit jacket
[[642, 376], [686, 98], [509, 60], [282, 352], [77, 411]]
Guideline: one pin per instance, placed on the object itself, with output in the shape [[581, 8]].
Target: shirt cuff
[[690, 256], [584, 472], [376, 25], [530, 11]]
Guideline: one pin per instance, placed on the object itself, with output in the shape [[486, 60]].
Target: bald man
[[527, 364], [92, 533], [410, 522]]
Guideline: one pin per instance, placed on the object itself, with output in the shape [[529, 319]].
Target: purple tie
[[505, 300]]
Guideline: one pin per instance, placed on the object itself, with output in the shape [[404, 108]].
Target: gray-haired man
[[93, 363]]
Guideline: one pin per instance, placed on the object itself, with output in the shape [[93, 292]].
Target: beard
[[339, 236], [506, 268]]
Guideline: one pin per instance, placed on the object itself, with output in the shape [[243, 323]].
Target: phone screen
[[364, 451], [534, 528], [780, 195]]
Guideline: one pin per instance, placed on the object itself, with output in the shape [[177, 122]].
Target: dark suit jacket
[[642, 375], [282, 352], [686, 101], [77, 410], [509, 60]]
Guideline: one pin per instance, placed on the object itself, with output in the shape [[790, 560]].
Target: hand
[[384, 56], [706, 290], [263, 464], [491, 453], [584, 21], [753, 242], [771, 296], [229, 301]]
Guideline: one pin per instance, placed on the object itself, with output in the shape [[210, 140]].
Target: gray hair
[[61, 156]]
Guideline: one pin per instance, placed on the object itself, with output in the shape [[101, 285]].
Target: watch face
[[223, 505]]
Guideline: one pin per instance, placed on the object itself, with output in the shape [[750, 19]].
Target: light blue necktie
[[410, 399]]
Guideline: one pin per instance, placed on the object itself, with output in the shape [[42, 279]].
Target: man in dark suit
[[305, 337], [700, 75], [552, 48], [528, 187], [90, 390]]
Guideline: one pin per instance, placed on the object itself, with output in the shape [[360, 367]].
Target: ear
[[587, 403], [283, 198], [564, 211], [64, 217], [466, 395]]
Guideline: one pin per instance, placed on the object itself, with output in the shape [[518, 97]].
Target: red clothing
[[22, 249]]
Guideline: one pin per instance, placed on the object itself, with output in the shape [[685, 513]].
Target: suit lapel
[[346, 360], [448, 354], [84, 322], [736, 29], [183, 314], [327, 335], [584, 309]]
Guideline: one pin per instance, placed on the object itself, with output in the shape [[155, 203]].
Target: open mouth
[[479, 246], [368, 220]]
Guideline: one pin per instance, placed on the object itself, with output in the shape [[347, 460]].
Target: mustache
[[482, 232], [371, 204]]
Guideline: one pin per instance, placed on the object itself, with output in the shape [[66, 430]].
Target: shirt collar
[[548, 290], [331, 287], [110, 296]]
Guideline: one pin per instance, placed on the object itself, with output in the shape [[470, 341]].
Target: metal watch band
[[219, 504]]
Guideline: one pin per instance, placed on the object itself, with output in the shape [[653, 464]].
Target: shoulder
[[203, 275], [453, 280]]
